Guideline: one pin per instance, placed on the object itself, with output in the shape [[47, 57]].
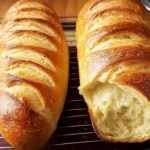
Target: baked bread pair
[[114, 59]]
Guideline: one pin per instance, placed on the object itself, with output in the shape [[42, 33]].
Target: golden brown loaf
[[33, 74], [113, 40]]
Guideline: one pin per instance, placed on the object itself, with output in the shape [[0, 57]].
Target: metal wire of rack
[[75, 130]]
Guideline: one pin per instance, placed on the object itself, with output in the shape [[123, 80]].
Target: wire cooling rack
[[75, 130]]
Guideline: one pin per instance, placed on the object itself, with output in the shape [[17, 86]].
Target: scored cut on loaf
[[113, 41], [34, 65]]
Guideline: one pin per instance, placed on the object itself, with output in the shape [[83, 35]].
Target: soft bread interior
[[119, 113]]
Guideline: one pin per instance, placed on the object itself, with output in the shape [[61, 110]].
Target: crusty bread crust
[[34, 66], [113, 41]]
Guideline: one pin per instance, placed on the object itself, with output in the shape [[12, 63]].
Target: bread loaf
[[33, 74], [113, 40]]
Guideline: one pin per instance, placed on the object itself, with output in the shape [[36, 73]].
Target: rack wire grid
[[75, 131]]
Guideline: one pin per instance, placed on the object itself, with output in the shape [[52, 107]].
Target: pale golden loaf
[[33, 74], [113, 41]]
